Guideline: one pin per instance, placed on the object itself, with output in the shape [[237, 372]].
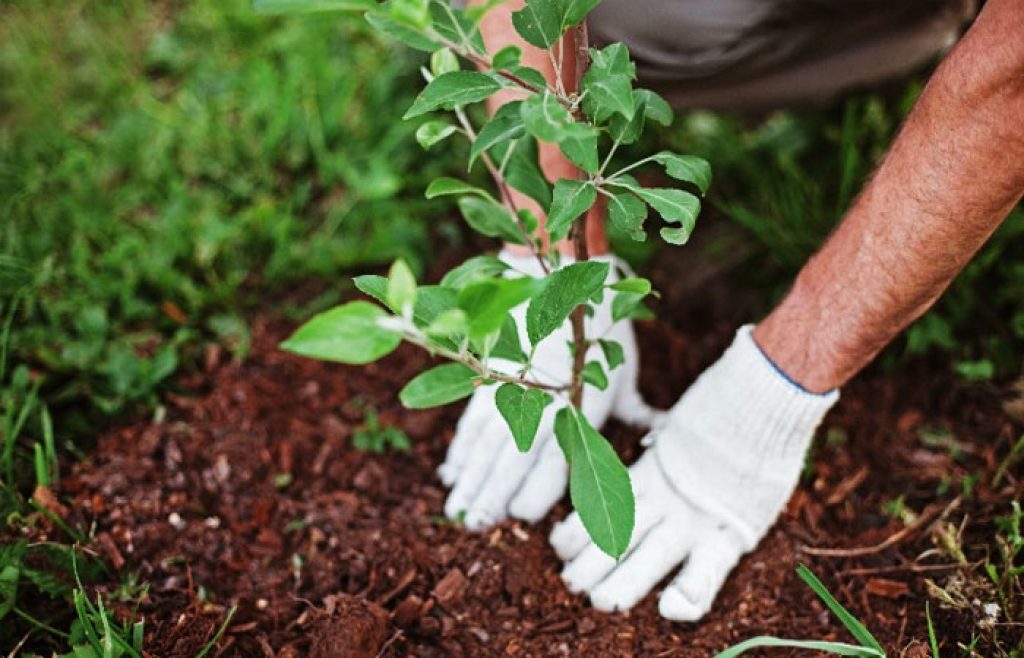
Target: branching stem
[[470, 361], [506, 191], [579, 235]]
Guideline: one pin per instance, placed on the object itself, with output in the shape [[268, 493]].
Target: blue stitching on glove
[[782, 373]]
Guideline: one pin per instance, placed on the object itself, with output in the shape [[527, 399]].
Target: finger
[[475, 469], [690, 595], [569, 537], [592, 564], [543, 486], [661, 550], [472, 423], [510, 469]]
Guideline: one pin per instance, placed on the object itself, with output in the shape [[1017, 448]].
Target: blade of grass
[[852, 624], [220, 631], [837, 648], [931, 631]]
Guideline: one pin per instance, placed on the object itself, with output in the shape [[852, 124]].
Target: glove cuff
[[745, 428]]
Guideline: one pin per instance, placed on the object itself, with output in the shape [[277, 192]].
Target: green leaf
[[439, 385], [506, 57], [594, 375], [607, 84], [474, 269], [9, 577], [446, 186], [522, 170], [613, 353], [487, 302], [582, 152], [449, 323], [303, 6], [574, 11], [442, 61], [490, 218], [636, 285], [452, 90], [571, 199], [687, 168], [857, 629], [563, 290], [628, 305], [432, 132], [549, 121], [403, 34], [598, 483], [347, 334], [431, 301], [401, 291], [456, 26], [528, 220], [609, 95], [648, 106], [672, 205], [478, 11], [676, 236], [522, 409], [838, 648], [539, 23], [627, 212], [508, 346], [413, 13], [505, 125], [656, 108]]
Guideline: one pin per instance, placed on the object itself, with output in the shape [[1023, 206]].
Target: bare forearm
[[498, 32], [951, 177]]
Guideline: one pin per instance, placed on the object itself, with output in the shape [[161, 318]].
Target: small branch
[[486, 63], [579, 238], [927, 517], [506, 192], [473, 363]]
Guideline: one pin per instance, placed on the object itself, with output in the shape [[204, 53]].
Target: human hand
[[490, 479], [719, 472]]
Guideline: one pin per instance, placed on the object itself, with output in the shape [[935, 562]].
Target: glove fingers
[[476, 468], [543, 485], [690, 595], [661, 550], [472, 424], [569, 537], [511, 467], [592, 564]]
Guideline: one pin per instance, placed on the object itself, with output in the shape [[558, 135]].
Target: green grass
[[168, 168], [163, 172]]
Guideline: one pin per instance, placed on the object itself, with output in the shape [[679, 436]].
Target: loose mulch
[[247, 492]]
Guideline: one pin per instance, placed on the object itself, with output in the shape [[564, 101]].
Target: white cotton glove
[[720, 471], [490, 479]]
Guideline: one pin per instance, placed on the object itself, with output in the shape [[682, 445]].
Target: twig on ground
[[931, 514]]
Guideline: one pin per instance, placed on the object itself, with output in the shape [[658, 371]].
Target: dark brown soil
[[248, 493]]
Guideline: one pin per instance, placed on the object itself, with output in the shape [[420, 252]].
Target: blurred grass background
[[168, 168]]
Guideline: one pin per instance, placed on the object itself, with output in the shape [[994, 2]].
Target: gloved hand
[[490, 478], [718, 474]]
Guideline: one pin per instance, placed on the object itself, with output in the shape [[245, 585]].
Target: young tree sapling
[[466, 317]]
